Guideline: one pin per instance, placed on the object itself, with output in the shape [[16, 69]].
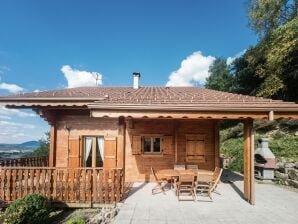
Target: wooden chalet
[[103, 136]]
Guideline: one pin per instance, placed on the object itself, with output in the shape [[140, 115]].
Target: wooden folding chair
[[160, 183], [179, 167], [192, 167], [185, 185], [206, 183], [216, 178]]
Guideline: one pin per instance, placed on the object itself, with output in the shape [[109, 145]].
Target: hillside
[[11, 151], [283, 136]]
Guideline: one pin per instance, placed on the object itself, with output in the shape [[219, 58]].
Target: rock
[[280, 175], [293, 174], [280, 165], [296, 165], [293, 183], [289, 165]]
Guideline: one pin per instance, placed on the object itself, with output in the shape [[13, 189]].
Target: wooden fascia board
[[196, 108]]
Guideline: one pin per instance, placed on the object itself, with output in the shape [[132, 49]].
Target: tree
[[279, 66], [220, 77], [44, 146], [245, 79], [269, 69], [266, 15]]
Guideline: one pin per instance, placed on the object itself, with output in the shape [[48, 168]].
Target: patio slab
[[274, 204]]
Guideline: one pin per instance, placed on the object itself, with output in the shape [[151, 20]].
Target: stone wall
[[287, 173]]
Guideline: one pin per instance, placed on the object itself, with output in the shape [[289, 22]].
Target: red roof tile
[[146, 96]]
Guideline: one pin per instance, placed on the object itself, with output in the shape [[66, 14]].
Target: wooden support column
[[121, 143], [93, 150], [176, 126], [216, 144], [248, 161], [52, 153]]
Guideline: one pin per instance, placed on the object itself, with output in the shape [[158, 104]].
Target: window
[[151, 145], [93, 151]]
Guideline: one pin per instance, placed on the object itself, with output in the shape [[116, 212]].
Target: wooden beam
[[179, 115], [248, 158], [53, 139], [252, 182], [216, 144], [94, 152], [176, 141], [121, 143]]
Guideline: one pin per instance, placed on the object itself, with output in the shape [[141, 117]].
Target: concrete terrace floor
[[274, 204]]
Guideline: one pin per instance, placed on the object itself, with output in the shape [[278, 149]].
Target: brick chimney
[[136, 80]]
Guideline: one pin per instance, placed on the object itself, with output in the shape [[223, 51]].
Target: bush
[[31, 209], [76, 220]]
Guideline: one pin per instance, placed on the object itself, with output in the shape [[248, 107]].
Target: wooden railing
[[28, 162], [78, 185]]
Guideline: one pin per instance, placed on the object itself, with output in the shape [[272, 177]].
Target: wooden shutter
[[74, 155], [167, 145], [110, 152], [136, 145], [195, 148]]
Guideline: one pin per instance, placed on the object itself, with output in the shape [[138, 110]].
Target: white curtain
[[88, 145], [100, 143]]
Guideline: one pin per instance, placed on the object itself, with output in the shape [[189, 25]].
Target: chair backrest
[[216, 174], [216, 177], [154, 174], [204, 177], [192, 167], [187, 178], [179, 167]]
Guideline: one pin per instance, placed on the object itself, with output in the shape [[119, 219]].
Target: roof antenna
[[96, 79]]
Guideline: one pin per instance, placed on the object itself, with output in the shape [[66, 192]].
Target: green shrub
[[233, 148], [31, 209], [76, 220]]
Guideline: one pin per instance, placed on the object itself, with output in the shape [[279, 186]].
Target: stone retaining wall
[[287, 173]]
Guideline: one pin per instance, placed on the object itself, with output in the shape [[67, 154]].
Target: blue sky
[[50, 44]]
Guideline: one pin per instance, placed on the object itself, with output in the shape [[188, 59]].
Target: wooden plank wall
[[80, 126], [137, 167]]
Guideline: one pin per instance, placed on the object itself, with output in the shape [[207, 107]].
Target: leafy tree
[[281, 63], [266, 15], [220, 77], [245, 79], [44, 147]]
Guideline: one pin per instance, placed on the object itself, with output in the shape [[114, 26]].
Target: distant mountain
[[30, 144], [27, 146]]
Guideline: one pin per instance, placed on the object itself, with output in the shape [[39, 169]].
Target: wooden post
[[176, 126], [93, 152], [216, 144], [121, 143], [248, 160], [53, 138]]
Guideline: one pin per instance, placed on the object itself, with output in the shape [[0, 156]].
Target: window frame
[[83, 162], [152, 137]]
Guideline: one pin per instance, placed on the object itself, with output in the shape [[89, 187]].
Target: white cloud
[[13, 132], [14, 112], [14, 124], [231, 59], [5, 117], [77, 78], [12, 88], [193, 69]]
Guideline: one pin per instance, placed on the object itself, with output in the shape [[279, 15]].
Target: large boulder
[[293, 174], [282, 176], [293, 183]]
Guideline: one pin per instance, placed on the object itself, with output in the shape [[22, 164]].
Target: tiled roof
[[147, 96]]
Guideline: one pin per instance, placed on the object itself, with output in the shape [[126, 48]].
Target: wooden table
[[173, 175], [170, 173]]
